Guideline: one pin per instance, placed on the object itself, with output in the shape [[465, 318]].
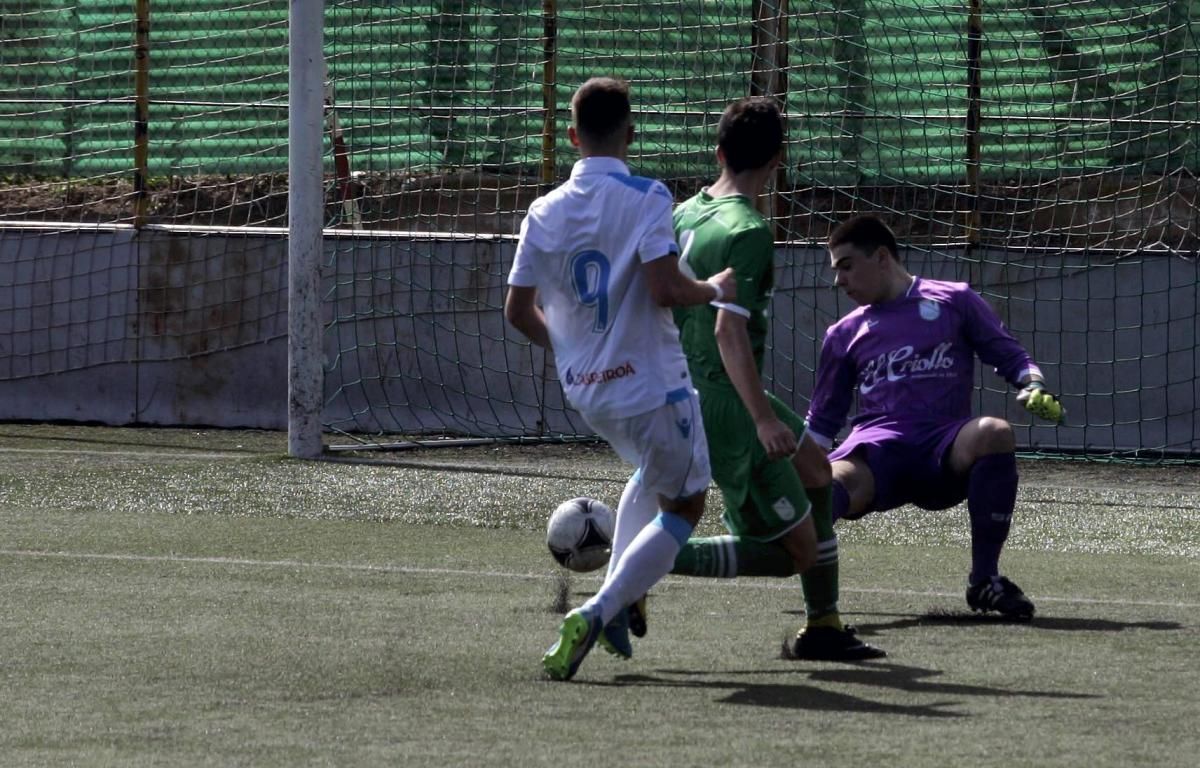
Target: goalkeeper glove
[[1041, 403]]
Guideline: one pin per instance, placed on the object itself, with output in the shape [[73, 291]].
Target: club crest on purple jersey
[[929, 309]]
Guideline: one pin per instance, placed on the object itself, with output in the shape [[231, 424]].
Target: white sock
[[647, 559], [635, 511]]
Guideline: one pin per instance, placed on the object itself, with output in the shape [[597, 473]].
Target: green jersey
[[715, 233]]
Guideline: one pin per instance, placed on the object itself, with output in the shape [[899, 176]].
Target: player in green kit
[[775, 480]]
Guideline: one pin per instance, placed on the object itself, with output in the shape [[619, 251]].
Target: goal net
[[1045, 152]]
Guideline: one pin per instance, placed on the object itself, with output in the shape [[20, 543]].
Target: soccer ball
[[580, 533]]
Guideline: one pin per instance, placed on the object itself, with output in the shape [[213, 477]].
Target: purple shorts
[[909, 467]]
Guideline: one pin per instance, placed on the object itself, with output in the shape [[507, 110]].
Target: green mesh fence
[[1071, 201]]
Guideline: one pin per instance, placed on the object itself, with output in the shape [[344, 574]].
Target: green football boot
[[576, 636]]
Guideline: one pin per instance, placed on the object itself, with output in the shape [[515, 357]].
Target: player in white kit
[[594, 277]]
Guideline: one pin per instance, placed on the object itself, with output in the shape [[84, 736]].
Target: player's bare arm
[[737, 356], [522, 311], [671, 288]]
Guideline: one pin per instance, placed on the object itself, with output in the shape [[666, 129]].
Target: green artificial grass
[[181, 598]]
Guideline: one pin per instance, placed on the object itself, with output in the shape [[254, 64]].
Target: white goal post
[[306, 205]]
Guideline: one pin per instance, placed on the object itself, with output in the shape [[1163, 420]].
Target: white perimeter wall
[[188, 328]]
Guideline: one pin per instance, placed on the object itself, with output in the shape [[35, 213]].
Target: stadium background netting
[[1044, 150]]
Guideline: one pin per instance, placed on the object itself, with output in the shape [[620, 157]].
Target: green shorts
[[763, 499]]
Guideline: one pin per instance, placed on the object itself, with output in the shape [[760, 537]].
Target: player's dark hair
[[600, 108], [750, 133], [867, 233]]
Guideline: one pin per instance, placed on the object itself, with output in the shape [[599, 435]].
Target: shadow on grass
[[875, 674], [782, 695], [1054, 623], [918, 680], [144, 440]]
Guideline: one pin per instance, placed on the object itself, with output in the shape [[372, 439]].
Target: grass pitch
[[183, 598]]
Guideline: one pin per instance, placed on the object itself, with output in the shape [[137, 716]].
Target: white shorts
[[667, 445]]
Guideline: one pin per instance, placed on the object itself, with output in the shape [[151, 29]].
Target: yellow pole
[[974, 117], [768, 77], [141, 111], [549, 76]]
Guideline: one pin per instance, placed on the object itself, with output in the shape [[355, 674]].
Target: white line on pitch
[[402, 569]]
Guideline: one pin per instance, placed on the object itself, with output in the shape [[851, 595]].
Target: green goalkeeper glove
[[1041, 403]]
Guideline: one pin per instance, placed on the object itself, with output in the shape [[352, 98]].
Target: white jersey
[[582, 246]]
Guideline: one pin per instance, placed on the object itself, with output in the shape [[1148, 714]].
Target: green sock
[[724, 557], [820, 582]]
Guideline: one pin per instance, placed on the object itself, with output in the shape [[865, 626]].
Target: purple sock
[[991, 496]]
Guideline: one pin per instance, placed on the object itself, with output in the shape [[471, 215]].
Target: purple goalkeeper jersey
[[911, 361]]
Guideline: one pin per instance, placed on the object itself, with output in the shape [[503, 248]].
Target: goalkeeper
[[908, 352]]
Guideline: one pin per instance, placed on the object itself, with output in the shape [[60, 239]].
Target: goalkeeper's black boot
[[1000, 595], [832, 644]]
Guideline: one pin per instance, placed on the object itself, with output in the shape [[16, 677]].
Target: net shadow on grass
[[144, 438], [477, 469]]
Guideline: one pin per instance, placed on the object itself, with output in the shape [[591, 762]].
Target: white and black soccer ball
[[580, 533]]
